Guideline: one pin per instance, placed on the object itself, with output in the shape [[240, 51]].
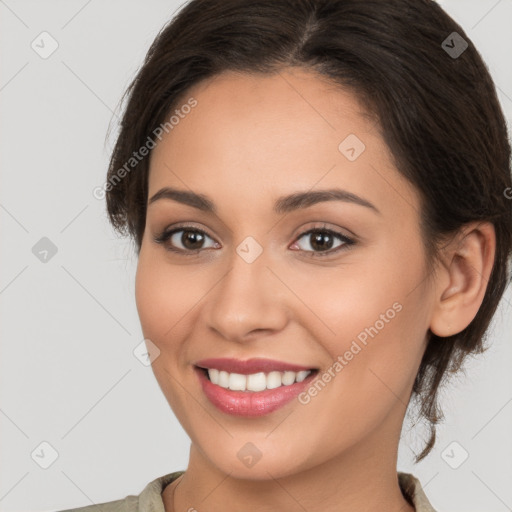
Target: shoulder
[[413, 491], [128, 504], [149, 499]]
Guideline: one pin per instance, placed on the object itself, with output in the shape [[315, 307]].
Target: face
[[332, 283]]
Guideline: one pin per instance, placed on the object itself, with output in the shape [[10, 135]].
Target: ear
[[462, 280]]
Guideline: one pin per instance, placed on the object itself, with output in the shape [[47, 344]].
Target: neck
[[361, 479]]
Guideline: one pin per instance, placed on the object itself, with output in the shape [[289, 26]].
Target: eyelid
[[325, 226], [347, 241], [167, 233]]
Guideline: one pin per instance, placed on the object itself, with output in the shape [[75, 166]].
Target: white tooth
[[288, 378], [256, 382], [237, 382], [213, 373], [274, 380], [223, 379], [302, 375]]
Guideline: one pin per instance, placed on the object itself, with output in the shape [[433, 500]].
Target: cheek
[[163, 303], [374, 327], [374, 364], [163, 297], [150, 299], [350, 304]]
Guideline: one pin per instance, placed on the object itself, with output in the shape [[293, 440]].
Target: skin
[[250, 140]]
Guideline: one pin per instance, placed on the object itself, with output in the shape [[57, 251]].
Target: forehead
[[253, 136]]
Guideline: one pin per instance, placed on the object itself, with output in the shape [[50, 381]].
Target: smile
[[255, 381], [250, 393]]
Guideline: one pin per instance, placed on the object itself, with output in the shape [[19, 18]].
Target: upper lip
[[249, 366]]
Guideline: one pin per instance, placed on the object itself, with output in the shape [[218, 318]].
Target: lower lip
[[251, 403]]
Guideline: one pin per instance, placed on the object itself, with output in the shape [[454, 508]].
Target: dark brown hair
[[437, 111]]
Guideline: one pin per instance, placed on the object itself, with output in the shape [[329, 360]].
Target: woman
[[318, 195]]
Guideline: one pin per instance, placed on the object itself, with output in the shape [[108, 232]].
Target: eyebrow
[[284, 204]]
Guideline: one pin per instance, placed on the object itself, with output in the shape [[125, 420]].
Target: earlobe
[[463, 280]]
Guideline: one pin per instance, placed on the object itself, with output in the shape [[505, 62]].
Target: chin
[[257, 461]]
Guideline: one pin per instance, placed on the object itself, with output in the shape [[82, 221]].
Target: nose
[[248, 300]]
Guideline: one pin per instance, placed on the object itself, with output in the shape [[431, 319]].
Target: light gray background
[[69, 326]]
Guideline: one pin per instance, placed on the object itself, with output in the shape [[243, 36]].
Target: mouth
[[254, 382], [258, 387]]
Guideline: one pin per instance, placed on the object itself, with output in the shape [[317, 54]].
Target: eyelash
[[166, 235]]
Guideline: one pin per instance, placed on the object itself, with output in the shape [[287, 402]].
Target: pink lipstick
[[241, 388]]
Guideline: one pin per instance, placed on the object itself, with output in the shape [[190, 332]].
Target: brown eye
[[321, 241], [191, 239], [185, 240]]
